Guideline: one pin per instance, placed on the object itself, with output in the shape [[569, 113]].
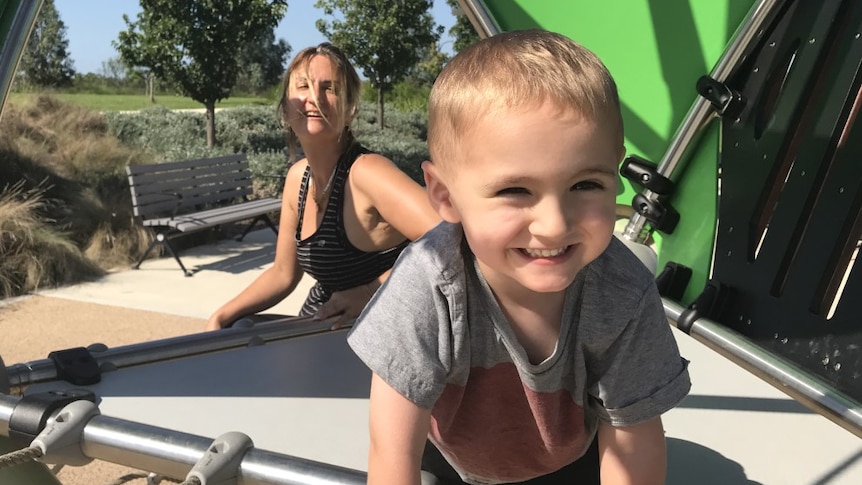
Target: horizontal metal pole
[[173, 454], [19, 376], [808, 389]]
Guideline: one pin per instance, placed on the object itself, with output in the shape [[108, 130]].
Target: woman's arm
[[278, 281], [633, 455], [398, 429]]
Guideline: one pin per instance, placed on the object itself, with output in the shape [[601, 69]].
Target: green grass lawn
[[131, 102]]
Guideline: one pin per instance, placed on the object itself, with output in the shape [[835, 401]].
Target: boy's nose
[[550, 219]]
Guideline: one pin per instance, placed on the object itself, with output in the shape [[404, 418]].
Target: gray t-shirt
[[435, 333]]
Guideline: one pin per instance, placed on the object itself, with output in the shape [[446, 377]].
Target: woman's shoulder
[[368, 161]]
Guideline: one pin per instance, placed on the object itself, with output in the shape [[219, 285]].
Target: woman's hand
[[344, 306], [213, 324]]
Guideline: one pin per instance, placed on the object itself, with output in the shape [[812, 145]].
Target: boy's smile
[[535, 192]]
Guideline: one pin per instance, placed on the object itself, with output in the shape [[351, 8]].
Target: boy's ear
[[438, 193]]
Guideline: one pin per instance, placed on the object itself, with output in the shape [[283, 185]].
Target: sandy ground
[[32, 327]]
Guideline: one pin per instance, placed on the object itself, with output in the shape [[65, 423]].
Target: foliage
[[428, 68], [261, 63], [373, 34], [196, 44], [35, 253], [45, 61], [463, 31]]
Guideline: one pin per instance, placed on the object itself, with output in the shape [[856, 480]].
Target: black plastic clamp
[[31, 413], [659, 213], [727, 102], [77, 366], [709, 304], [645, 173], [673, 280]]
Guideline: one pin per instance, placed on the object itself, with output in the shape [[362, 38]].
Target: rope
[[27, 455], [153, 479], [19, 457]]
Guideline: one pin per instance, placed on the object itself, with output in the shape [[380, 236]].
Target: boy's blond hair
[[346, 83], [517, 70]]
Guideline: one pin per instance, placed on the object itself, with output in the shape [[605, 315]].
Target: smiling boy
[[519, 336]]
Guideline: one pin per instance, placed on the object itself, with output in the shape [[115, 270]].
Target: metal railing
[[809, 390], [173, 454]]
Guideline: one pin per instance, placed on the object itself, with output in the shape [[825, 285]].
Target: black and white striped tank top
[[327, 255]]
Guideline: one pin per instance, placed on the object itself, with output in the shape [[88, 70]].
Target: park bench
[[180, 198]]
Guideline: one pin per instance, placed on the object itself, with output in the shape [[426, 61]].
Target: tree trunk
[[210, 106], [380, 107], [151, 87]]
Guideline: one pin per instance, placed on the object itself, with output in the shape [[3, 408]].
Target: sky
[[91, 25]]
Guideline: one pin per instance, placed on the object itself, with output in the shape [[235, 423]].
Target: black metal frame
[[791, 193]]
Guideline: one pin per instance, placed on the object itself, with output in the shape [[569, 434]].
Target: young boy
[[519, 329]]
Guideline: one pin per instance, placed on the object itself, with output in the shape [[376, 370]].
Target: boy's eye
[[513, 191], [587, 185]]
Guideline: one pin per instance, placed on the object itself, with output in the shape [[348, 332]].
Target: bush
[[35, 254]]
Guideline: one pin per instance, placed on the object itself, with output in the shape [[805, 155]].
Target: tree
[[195, 44], [462, 30], [46, 61], [261, 62], [384, 38]]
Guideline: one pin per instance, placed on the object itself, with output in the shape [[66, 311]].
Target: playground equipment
[[740, 129]]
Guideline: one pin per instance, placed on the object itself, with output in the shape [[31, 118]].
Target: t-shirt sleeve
[[404, 333], [641, 374]]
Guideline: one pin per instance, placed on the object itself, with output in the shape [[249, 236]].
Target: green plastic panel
[[656, 51]]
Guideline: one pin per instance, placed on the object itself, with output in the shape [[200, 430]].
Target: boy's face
[[535, 192]]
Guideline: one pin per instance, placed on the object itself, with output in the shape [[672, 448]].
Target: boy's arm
[[633, 455], [398, 430]]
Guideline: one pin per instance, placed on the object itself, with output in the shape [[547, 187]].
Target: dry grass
[[34, 253], [65, 213]]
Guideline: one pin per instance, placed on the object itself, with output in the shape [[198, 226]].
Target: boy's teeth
[[544, 253]]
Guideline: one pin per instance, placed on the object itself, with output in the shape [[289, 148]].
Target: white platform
[[732, 429]]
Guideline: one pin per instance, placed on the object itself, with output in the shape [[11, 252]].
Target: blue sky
[[91, 25]]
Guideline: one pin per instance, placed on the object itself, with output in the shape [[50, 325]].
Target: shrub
[[35, 254]]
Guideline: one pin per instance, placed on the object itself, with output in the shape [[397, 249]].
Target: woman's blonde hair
[[517, 70], [346, 84]]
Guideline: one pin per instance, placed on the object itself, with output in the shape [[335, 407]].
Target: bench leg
[[167, 244], [147, 252], [161, 239], [266, 220]]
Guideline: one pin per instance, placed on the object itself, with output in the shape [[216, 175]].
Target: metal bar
[[172, 453], [19, 376], [20, 16], [701, 111], [482, 20], [810, 390]]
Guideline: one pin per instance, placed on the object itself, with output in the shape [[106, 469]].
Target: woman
[[346, 213]]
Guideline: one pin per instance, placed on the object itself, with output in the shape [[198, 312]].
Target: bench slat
[[191, 175], [214, 217], [136, 170], [190, 204]]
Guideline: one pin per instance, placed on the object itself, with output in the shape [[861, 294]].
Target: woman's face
[[312, 104]]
